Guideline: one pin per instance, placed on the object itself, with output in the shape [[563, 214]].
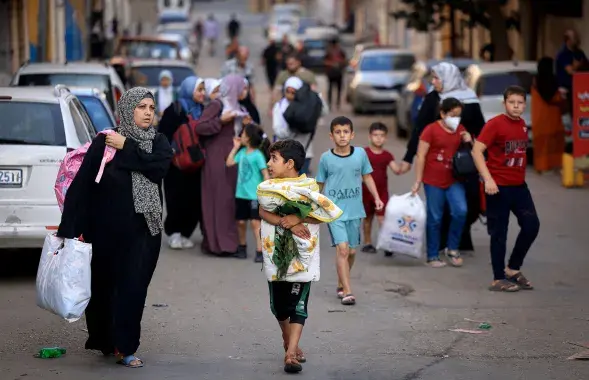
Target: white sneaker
[[175, 241], [186, 243]]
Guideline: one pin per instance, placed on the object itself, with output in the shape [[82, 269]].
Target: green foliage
[[425, 15]]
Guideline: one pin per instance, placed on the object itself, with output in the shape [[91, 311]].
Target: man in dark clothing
[[270, 62], [233, 27], [569, 60], [335, 63], [286, 49]]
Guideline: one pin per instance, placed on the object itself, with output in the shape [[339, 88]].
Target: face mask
[[452, 122]]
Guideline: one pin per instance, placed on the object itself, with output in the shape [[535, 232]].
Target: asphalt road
[[218, 325]]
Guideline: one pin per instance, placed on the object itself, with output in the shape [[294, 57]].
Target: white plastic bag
[[403, 230], [63, 277]]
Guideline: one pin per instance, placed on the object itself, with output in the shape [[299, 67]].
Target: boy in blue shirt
[[340, 175]]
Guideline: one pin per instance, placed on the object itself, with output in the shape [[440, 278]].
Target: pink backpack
[[71, 164]]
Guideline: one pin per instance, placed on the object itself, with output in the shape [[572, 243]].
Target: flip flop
[[504, 286], [520, 280], [127, 361], [291, 364], [349, 299], [340, 293]]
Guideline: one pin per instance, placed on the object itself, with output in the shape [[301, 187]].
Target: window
[[99, 81], [79, 125], [496, 83], [150, 75], [85, 117], [387, 62], [99, 115], [31, 123]]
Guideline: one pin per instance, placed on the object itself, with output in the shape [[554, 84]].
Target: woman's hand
[[236, 143], [416, 187], [466, 137], [227, 116], [300, 230], [115, 140], [491, 187], [247, 119]]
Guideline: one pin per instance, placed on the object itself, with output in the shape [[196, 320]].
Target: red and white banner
[[580, 114]]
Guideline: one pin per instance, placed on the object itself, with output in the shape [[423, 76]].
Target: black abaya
[[473, 120], [124, 253], [182, 189]]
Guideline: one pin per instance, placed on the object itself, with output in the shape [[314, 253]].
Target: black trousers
[[335, 81], [183, 203], [516, 199], [473, 204], [121, 274]]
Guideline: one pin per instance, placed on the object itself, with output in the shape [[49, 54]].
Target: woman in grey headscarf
[[448, 82], [122, 217]]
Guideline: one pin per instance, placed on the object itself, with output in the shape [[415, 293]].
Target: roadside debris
[[469, 331], [159, 305], [485, 326], [51, 352], [336, 311]]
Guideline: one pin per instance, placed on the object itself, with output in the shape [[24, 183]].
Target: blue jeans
[[436, 199]]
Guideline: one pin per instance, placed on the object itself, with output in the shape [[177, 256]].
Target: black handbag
[[462, 162]]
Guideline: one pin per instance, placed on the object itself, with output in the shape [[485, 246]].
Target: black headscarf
[[546, 82]]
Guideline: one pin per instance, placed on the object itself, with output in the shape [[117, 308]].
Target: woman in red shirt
[[437, 145]]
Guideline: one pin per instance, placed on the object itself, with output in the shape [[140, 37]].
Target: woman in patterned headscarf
[[122, 217]]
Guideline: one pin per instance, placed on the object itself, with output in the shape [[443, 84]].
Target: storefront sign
[[580, 114]]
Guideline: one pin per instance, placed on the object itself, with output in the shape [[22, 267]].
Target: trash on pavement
[[469, 331], [485, 326], [583, 355], [51, 352], [160, 305]]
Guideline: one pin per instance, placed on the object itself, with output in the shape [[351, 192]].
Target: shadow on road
[[19, 264]]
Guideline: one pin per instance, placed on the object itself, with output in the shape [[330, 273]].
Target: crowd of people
[[240, 173]]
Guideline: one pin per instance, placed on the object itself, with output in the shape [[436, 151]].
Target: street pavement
[[217, 323]]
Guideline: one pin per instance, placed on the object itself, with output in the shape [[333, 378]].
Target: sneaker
[[187, 243], [259, 258], [175, 241], [369, 248], [241, 252]]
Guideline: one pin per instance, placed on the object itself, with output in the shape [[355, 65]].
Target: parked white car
[[83, 74], [39, 125]]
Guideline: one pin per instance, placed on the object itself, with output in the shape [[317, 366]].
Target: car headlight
[[185, 54]]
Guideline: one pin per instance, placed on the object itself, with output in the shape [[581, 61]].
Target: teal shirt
[[249, 173], [342, 179]]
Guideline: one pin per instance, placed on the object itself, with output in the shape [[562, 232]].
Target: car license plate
[[10, 178]]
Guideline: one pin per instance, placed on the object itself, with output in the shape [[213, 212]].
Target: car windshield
[[304, 24], [149, 49], [173, 17], [31, 123], [494, 84], [176, 38], [150, 75], [387, 62], [99, 81], [98, 113]]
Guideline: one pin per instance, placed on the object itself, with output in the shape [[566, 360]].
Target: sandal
[[504, 286], [291, 364], [130, 361], [300, 355], [349, 299], [436, 263], [520, 280], [369, 248], [454, 258], [340, 293]]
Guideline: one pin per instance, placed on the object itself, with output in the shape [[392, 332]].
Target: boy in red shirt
[[381, 160], [505, 138], [438, 144]]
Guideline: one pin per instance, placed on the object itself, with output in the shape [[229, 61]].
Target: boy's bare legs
[[256, 226], [380, 219], [288, 330], [342, 263], [367, 224], [241, 231]]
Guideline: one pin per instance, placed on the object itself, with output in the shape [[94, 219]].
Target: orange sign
[[580, 114]]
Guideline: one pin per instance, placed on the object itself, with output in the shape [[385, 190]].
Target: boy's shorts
[[370, 206], [246, 209], [289, 300], [347, 231]]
